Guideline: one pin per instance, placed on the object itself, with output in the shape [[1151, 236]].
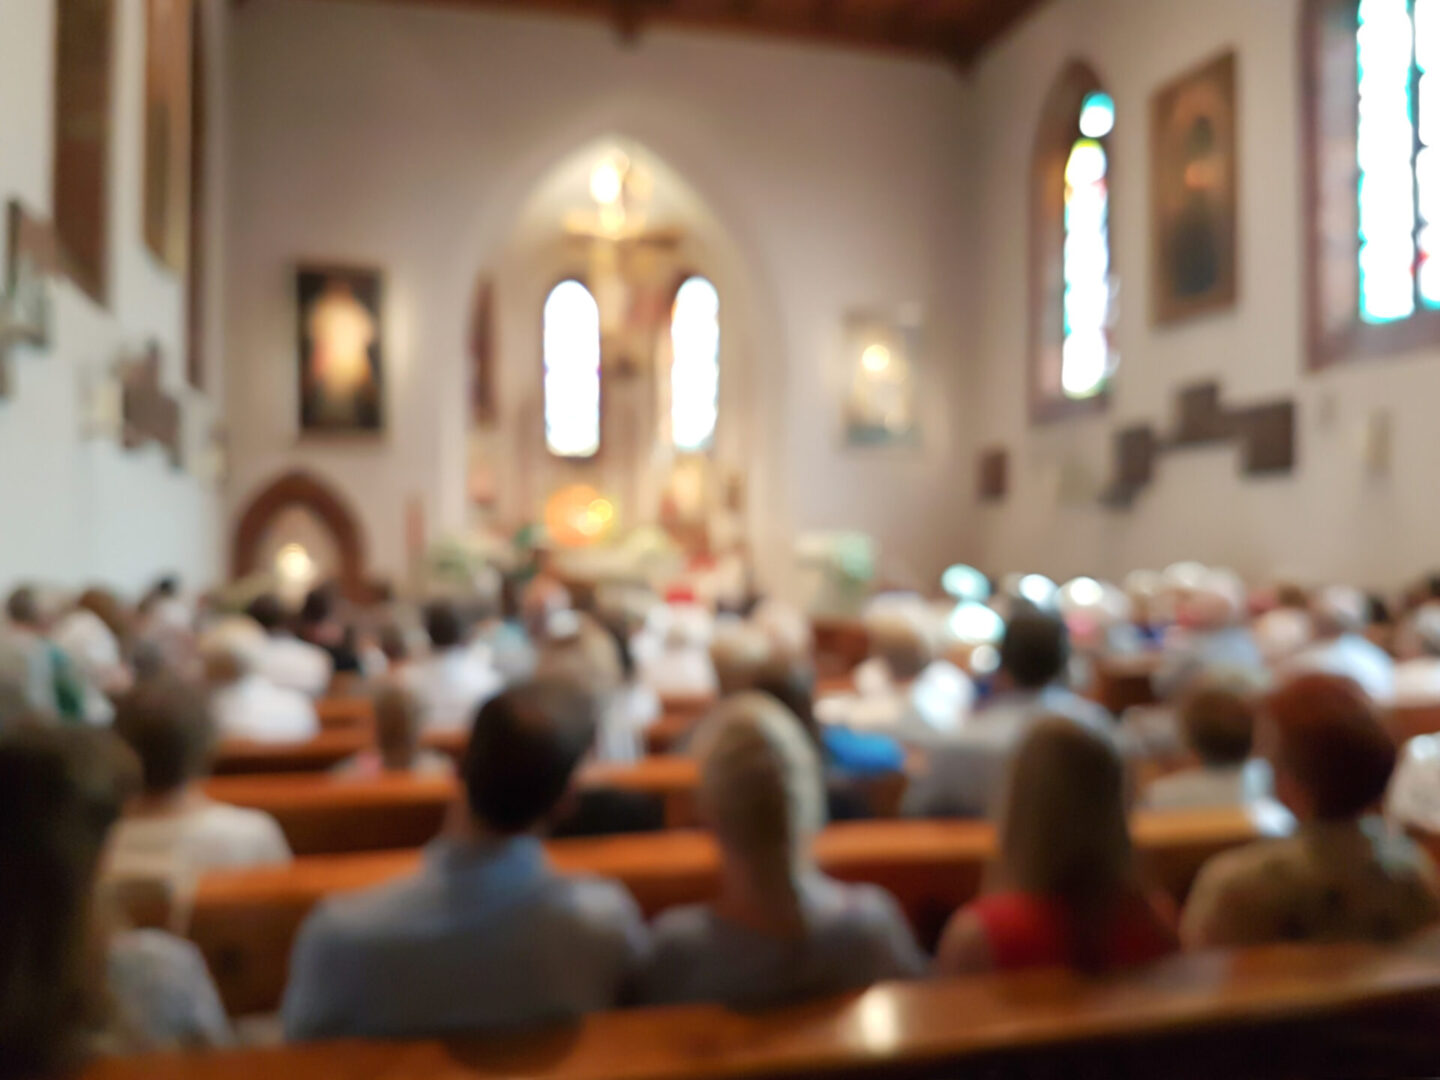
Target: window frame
[[567, 459], [1356, 340], [1055, 136]]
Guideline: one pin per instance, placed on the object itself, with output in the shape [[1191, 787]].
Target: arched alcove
[[301, 490]]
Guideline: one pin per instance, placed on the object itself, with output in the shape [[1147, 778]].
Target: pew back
[[244, 922], [1159, 1021]]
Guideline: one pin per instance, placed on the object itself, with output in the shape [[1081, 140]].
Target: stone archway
[[304, 490]]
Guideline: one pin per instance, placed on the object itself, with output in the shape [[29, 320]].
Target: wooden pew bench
[[322, 815], [1260, 1012], [244, 922]]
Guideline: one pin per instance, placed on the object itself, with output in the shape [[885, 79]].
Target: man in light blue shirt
[[964, 773], [487, 935]]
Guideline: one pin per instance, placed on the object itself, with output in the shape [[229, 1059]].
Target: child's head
[[1218, 723]]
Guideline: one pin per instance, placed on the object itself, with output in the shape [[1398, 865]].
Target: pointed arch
[[1072, 358]]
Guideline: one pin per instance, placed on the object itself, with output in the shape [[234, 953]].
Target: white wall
[[74, 510], [1328, 520], [409, 137]]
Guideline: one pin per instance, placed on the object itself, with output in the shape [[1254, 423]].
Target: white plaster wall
[[1330, 519], [409, 138], [75, 510]]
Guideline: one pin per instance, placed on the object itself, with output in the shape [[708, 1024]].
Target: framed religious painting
[[1193, 193], [880, 354], [341, 373]]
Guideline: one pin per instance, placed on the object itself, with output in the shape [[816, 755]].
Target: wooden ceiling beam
[[957, 39]]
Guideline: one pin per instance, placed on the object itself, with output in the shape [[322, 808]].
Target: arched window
[[572, 371], [1072, 355], [1372, 99], [695, 366]]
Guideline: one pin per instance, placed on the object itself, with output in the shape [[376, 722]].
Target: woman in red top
[[1068, 894]]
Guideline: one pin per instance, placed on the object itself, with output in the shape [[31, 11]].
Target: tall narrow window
[[1072, 355], [83, 48], [572, 371], [1373, 120], [695, 368]]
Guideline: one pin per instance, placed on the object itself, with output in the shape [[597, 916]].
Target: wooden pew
[[244, 922], [1266, 1012], [323, 752], [1121, 682], [345, 713], [1407, 721], [324, 815]]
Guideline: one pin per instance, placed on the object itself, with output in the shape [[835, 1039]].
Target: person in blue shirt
[[487, 935], [780, 930]]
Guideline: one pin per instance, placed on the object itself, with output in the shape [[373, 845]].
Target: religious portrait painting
[[341, 374], [881, 404], [1193, 192]]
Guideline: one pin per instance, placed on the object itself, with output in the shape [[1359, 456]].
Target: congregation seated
[[904, 688], [1217, 722], [246, 704], [456, 677], [1284, 629], [672, 652], [36, 671], [1417, 680], [397, 746], [171, 831], [319, 625], [487, 935], [75, 984], [93, 635], [1210, 635], [286, 660], [846, 756], [780, 930], [1065, 890], [963, 775], [1339, 615], [582, 651], [1343, 876]]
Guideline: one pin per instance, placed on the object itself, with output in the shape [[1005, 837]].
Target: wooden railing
[[1280, 1011], [244, 922]]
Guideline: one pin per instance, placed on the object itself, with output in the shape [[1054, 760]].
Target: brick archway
[[301, 489]]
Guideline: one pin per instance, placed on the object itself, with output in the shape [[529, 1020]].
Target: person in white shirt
[[456, 678], [93, 635], [904, 689], [28, 658], [286, 660], [1286, 628], [1417, 681], [673, 652], [172, 831], [1218, 723], [1413, 798], [1339, 614], [245, 704]]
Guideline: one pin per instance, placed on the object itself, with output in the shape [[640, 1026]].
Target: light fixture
[[607, 180], [875, 359]]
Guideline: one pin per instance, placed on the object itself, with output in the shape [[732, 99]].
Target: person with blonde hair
[[397, 746], [1065, 890], [245, 704], [780, 930], [737, 653]]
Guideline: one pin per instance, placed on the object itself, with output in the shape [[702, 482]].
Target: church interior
[[623, 539]]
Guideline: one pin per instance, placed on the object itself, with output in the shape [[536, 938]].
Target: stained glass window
[[695, 367], [1087, 360], [572, 371]]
